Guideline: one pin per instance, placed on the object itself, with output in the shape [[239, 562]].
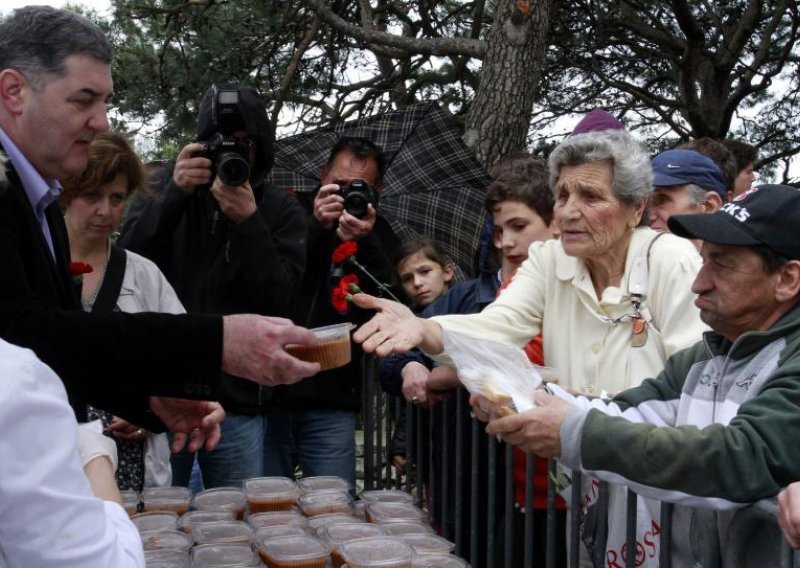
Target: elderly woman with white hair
[[612, 298]]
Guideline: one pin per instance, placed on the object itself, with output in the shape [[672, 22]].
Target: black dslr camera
[[357, 197], [229, 156]]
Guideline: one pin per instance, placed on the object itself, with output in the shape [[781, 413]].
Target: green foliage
[[672, 69]]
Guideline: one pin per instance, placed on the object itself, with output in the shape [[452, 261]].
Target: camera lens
[[356, 204], [232, 169]]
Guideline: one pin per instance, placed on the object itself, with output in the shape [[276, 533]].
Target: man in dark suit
[[55, 81]]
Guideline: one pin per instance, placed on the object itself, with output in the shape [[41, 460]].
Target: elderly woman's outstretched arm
[[395, 328]]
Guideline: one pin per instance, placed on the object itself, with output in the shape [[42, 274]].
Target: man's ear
[[12, 90], [788, 285], [323, 179], [712, 202]]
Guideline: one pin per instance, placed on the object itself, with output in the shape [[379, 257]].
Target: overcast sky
[[7, 5]]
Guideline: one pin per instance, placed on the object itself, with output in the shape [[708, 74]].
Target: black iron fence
[[464, 479]]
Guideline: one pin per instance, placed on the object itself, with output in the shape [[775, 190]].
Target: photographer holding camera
[[228, 242], [313, 426]]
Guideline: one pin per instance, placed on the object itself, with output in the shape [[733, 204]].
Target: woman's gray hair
[[37, 40], [696, 193], [630, 159]]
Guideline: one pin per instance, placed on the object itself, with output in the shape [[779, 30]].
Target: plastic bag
[[487, 367]]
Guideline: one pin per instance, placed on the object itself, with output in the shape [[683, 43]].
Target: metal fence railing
[[464, 479]]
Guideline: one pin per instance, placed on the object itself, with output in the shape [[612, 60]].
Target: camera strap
[[108, 294]]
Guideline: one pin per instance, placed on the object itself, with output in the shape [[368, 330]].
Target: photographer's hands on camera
[[191, 170], [329, 208]]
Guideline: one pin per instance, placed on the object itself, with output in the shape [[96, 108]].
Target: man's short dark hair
[[521, 178], [37, 40], [744, 153], [361, 148], [720, 154]]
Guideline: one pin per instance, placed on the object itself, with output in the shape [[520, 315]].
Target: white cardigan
[[552, 294]]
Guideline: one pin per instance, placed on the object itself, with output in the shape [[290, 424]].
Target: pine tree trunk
[[497, 123]]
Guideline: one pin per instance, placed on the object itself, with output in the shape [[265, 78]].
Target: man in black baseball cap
[[684, 182]]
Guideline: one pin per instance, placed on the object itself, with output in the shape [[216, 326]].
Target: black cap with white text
[[766, 215]]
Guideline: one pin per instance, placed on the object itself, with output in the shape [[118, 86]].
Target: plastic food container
[[402, 528], [381, 512], [314, 523], [294, 551], [337, 534], [449, 561], [278, 518], [193, 518], [428, 544], [332, 349], [383, 552], [387, 496], [223, 532], [322, 483], [270, 494], [166, 559], [278, 531], [130, 501], [166, 499], [325, 502], [229, 555], [157, 520], [221, 499], [166, 540]]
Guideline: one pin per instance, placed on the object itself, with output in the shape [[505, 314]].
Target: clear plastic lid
[[428, 543], [277, 531], [333, 332], [387, 496], [322, 483], [382, 512], [434, 561], [166, 558], [220, 498], [273, 518], [384, 551], [324, 502], [223, 532], [338, 533], [268, 486], [156, 520], [166, 539], [166, 499], [400, 528], [293, 549], [228, 555], [315, 523], [188, 521]]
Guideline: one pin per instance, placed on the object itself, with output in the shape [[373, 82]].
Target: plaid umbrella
[[432, 185]]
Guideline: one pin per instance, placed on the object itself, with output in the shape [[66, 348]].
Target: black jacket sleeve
[[112, 361]]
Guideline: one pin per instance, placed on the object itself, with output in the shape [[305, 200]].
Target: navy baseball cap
[[766, 215], [679, 167]]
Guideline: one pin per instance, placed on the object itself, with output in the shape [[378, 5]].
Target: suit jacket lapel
[[61, 279]]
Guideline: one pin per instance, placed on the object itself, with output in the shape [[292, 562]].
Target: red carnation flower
[[339, 300], [344, 251], [79, 268], [350, 283]]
